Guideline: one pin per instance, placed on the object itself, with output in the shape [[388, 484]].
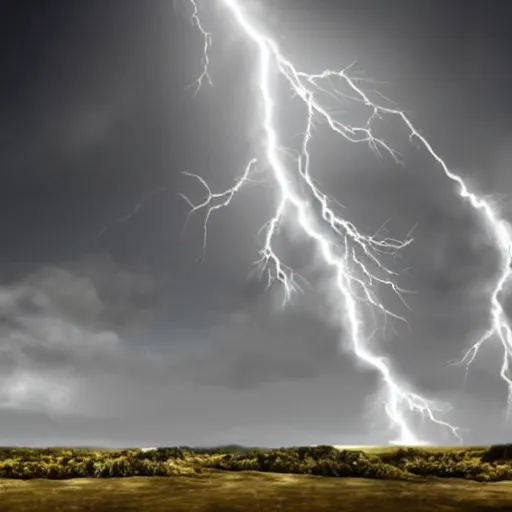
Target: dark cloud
[[58, 327], [260, 343], [97, 336]]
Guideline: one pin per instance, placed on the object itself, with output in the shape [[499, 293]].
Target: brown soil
[[251, 491]]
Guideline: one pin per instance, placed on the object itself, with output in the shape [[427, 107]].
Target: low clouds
[[62, 327], [80, 364], [73, 370]]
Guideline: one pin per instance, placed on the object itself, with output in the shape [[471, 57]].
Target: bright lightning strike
[[357, 266], [207, 42]]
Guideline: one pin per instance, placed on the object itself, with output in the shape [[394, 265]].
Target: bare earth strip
[[251, 491]]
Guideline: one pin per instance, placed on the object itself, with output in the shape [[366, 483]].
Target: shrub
[[482, 464], [497, 453]]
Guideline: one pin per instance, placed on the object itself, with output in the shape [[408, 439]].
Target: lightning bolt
[[207, 42], [354, 259], [499, 324]]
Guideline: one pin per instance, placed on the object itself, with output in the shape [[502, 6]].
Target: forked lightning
[[353, 259]]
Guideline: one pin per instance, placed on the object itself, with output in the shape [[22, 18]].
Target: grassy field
[[233, 478], [251, 491]]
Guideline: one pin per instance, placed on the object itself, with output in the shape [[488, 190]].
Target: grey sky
[[129, 340]]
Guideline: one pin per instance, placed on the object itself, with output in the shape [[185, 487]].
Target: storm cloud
[[133, 338]]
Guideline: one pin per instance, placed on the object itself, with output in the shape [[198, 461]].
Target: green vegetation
[[480, 464], [235, 478]]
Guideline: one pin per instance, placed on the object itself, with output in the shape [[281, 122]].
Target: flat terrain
[[252, 491]]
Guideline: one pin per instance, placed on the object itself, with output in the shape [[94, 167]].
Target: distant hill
[[228, 448]]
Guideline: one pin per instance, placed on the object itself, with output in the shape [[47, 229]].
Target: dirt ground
[[250, 491]]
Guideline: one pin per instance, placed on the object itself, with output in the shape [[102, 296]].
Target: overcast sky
[[127, 339]]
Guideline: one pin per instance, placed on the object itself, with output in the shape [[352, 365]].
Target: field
[[252, 491], [225, 480]]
